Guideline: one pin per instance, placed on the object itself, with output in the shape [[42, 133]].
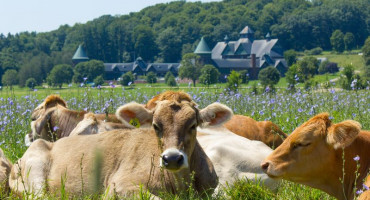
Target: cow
[[5, 166], [264, 131], [312, 155], [159, 158], [366, 194], [52, 120]]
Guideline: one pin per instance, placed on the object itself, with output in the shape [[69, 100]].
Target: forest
[[164, 32]]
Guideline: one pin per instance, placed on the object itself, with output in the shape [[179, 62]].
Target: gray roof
[[122, 67], [202, 47], [246, 30], [80, 54], [234, 63], [126, 67], [163, 67]]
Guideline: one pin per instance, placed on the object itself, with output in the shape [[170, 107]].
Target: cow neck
[[359, 147], [66, 120]]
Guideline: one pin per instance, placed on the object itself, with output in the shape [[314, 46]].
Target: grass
[[285, 108]]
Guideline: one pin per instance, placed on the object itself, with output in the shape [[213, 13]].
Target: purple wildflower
[[55, 128], [357, 158], [359, 191], [365, 187], [85, 78]]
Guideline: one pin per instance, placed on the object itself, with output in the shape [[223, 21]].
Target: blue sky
[[46, 15]]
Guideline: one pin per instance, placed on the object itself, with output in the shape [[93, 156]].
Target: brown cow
[[5, 166], [264, 131], [312, 155], [130, 157], [366, 194], [52, 119]]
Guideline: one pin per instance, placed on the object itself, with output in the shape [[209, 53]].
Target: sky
[[47, 15]]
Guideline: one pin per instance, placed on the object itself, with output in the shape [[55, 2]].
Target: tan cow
[[312, 155], [264, 131], [5, 166], [366, 194], [52, 119], [160, 159]]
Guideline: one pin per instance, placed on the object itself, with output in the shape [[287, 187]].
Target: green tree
[[90, 70], [209, 75], [349, 41], [167, 76], [190, 67], [151, 77], [347, 78], [171, 81], [308, 67], [170, 44], [10, 78], [31, 83], [292, 75], [127, 78], [290, 57], [145, 45], [99, 80], [366, 51], [337, 41], [269, 76], [233, 81], [60, 74], [245, 76]]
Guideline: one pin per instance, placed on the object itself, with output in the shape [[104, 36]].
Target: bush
[[269, 76], [245, 76], [233, 81], [171, 81], [127, 78], [168, 74], [31, 83], [314, 51], [328, 67], [99, 80], [290, 57], [10, 78], [209, 75], [151, 77]]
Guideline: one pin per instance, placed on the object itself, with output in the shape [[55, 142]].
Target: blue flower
[[357, 158], [85, 78], [359, 191], [55, 128], [365, 186]]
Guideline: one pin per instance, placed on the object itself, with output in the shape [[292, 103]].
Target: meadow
[[286, 108]]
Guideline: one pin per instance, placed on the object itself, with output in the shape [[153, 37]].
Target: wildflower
[[129, 83], [359, 191], [353, 115], [99, 87], [85, 78], [70, 85], [82, 84], [365, 187], [357, 158], [55, 128], [267, 89], [300, 110]]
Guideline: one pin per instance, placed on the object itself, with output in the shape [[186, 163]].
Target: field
[[285, 108]]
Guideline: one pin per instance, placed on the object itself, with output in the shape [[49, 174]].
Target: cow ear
[[53, 100], [342, 134], [134, 114], [215, 114]]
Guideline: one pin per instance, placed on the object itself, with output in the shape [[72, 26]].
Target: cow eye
[[296, 145], [156, 127], [193, 127]]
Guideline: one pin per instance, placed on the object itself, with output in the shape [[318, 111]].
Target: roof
[[246, 30], [234, 63], [163, 67], [80, 54], [202, 47]]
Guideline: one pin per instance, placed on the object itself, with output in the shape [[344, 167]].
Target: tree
[[151, 77], [347, 78], [127, 78], [349, 41], [290, 57], [167, 76], [292, 75], [337, 41], [169, 42], [366, 51], [269, 76], [60, 74], [90, 70], [145, 45], [99, 80], [245, 76], [10, 78], [209, 75], [190, 67], [307, 68], [233, 81], [31, 83], [171, 81]]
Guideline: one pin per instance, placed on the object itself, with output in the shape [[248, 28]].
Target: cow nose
[[265, 166], [173, 159]]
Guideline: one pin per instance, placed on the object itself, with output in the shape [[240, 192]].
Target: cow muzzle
[[173, 159], [28, 139]]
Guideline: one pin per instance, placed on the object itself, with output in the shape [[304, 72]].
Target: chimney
[[254, 68]]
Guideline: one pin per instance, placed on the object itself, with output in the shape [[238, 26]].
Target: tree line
[[165, 32]]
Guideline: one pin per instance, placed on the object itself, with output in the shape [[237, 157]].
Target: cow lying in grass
[[5, 166], [264, 131], [129, 157], [52, 120], [312, 155]]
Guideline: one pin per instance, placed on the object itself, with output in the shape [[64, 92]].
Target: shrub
[[99, 80], [209, 75], [31, 83], [127, 78], [171, 81], [269, 76], [233, 81], [151, 77]]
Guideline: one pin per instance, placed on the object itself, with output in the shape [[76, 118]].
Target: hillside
[[164, 32]]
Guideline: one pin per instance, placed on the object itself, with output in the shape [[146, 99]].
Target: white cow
[[235, 157]]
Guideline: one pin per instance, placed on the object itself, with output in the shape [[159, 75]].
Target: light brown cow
[[264, 131], [312, 155], [5, 166], [366, 194], [52, 119], [130, 157]]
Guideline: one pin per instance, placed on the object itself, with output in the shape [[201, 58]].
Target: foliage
[[269, 76], [171, 81], [151, 77], [90, 70], [145, 45], [209, 75], [292, 75], [314, 51], [307, 68], [31, 83], [99, 80], [351, 81], [127, 78], [349, 41], [328, 67], [245, 76], [10, 78], [233, 81], [167, 76], [337, 41], [366, 51], [60, 74], [190, 67], [255, 191], [290, 57]]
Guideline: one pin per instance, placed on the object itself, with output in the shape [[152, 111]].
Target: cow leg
[[30, 172]]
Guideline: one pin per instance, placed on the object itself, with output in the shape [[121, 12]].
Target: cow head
[[310, 149], [175, 125], [40, 117]]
